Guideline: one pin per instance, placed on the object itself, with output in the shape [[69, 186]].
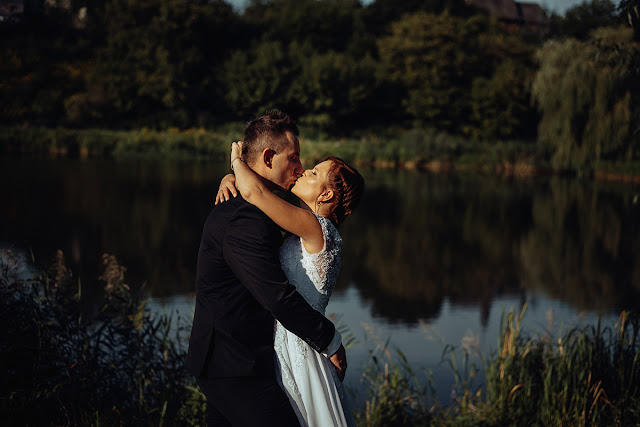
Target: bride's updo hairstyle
[[347, 185]]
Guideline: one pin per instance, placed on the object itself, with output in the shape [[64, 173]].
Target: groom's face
[[286, 163]]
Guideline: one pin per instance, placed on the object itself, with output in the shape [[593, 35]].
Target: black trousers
[[247, 401]]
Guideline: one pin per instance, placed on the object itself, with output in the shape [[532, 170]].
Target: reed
[[121, 364], [397, 148], [413, 148], [587, 376], [395, 394], [172, 143], [118, 364]]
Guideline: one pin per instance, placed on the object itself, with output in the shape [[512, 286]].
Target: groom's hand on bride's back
[[339, 359]]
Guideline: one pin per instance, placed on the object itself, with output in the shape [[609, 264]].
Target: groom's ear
[[267, 157]]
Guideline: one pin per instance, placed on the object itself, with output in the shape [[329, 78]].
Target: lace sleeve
[[327, 262]]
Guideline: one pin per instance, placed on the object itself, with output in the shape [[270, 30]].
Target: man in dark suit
[[241, 289]]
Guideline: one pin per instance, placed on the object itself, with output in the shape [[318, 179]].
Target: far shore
[[413, 149]]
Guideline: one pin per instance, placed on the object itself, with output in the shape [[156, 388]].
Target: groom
[[241, 289]]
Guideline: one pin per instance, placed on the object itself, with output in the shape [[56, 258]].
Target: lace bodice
[[309, 379], [314, 275]]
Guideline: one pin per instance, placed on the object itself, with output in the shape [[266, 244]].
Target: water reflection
[[149, 214], [584, 245], [422, 238], [417, 240]]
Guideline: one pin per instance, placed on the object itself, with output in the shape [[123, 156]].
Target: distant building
[[62, 4], [11, 10], [18, 10], [514, 15]]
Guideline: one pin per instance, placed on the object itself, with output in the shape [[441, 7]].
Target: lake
[[429, 260]]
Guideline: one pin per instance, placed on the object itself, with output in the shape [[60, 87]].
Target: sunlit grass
[[122, 364], [408, 148], [586, 376]]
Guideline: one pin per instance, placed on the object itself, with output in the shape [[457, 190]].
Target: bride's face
[[312, 183]]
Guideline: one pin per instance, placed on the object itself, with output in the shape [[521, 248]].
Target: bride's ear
[[326, 196]]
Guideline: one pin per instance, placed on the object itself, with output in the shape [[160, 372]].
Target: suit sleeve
[[251, 250]]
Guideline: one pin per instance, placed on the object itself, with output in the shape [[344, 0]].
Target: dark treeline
[[335, 65]]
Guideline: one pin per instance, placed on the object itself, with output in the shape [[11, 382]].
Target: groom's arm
[[251, 250]]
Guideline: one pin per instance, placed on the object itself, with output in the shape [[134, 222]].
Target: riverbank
[[122, 364], [408, 149]]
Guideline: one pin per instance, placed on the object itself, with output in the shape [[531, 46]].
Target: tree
[[159, 62], [321, 88], [581, 19], [502, 103], [447, 66], [630, 9], [433, 57], [258, 79], [588, 93], [325, 24]]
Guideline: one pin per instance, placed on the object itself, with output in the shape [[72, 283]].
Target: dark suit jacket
[[240, 290]]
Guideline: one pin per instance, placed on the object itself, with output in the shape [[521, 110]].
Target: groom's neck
[[261, 172]]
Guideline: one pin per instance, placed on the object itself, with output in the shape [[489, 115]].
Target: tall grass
[[414, 148], [395, 395], [172, 144], [588, 376], [397, 148], [67, 364], [121, 364]]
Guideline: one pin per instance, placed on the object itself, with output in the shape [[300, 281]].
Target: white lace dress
[[310, 379]]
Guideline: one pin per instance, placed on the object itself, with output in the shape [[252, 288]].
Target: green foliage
[[586, 377], [320, 88], [588, 97], [630, 11], [501, 104], [428, 55], [459, 71], [119, 365], [36, 74], [337, 66], [395, 395], [585, 17], [327, 25], [173, 143], [258, 79], [159, 57]]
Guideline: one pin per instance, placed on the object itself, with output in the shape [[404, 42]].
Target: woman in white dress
[[311, 260]]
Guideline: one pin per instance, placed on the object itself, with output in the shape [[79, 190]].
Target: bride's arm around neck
[[297, 220]]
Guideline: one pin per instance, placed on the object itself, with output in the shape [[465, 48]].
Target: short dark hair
[[347, 185], [267, 131]]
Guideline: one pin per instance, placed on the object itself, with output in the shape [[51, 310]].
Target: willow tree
[[589, 97]]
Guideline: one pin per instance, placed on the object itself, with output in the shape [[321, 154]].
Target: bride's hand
[[227, 189], [236, 152], [228, 184]]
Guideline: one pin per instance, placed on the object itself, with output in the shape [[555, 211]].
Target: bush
[[116, 366]]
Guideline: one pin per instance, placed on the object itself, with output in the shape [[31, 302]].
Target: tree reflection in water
[[417, 239], [421, 238]]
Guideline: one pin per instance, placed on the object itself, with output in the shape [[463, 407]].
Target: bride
[[311, 260]]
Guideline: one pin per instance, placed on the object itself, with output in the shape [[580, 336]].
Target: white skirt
[[311, 382]]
